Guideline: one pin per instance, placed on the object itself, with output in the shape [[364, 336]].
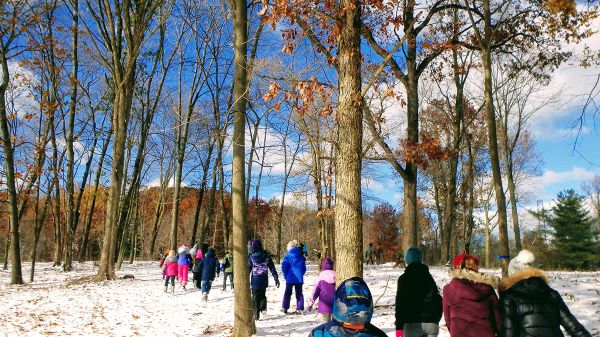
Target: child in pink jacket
[[324, 291], [170, 270]]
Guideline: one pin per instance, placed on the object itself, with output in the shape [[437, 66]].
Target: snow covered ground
[[65, 304]]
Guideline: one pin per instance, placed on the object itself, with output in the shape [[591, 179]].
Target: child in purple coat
[[324, 291]]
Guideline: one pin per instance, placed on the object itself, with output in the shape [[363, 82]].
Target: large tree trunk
[[90, 211], [348, 203], [450, 201], [9, 162], [120, 121], [70, 227], [243, 324], [493, 138], [58, 234]]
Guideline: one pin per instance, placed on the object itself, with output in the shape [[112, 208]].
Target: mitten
[[399, 333], [277, 283]]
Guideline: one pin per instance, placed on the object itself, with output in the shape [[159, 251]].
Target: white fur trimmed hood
[[508, 282]]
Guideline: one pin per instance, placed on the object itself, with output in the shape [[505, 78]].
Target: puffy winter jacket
[[183, 256], [228, 263], [210, 265], [418, 299], [530, 308], [259, 264], [293, 266], [170, 266], [471, 305], [325, 291]]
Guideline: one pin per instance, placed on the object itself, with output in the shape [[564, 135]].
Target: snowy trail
[[59, 304]]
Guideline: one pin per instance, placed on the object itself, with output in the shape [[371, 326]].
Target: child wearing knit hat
[[530, 307]]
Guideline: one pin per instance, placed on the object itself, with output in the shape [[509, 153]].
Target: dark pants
[[371, 259], [225, 275], [206, 285], [259, 299], [198, 280], [167, 278], [287, 295]]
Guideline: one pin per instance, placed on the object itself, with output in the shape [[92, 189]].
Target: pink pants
[[182, 273]]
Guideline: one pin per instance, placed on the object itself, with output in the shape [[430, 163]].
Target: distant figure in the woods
[[170, 270], [418, 300], [210, 268], [352, 312], [324, 291], [259, 263], [227, 270], [249, 247], [528, 305], [469, 300], [370, 254], [184, 262], [379, 253], [293, 268]]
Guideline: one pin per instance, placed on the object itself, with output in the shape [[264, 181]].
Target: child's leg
[[299, 296], [287, 295], [224, 281], [262, 299], [166, 280]]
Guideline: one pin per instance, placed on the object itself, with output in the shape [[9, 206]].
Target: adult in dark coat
[[418, 300], [259, 264], [529, 307], [469, 300]]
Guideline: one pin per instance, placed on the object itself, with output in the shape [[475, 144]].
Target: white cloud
[[545, 186]]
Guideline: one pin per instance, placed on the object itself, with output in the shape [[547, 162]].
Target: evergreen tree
[[574, 240]]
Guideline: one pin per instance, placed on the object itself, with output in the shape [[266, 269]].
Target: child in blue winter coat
[[293, 268], [259, 264], [210, 268]]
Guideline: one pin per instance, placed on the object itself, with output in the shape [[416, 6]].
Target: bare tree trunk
[[58, 235], [39, 223], [70, 226], [201, 191], [348, 208], [90, 211], [470, 183], [449, 221], [244, 319]]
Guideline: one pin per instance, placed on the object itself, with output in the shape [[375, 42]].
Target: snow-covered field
[[65, 304]]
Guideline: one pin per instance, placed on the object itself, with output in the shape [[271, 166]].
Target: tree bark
[[348, 208], [70, 226], [243, 324], [90, 212], [493, 138]]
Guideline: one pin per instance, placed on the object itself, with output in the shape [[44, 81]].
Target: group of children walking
[[205, 267], [469, 304]]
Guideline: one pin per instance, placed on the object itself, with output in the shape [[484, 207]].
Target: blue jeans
[[206, 286]]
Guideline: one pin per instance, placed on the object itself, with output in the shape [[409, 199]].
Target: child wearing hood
[[259, 264], [293, 267], [170, 270], [352, 312], [197, 269], [528, 305], [184, 262], [324, 291], [470, 303], [210, 268]]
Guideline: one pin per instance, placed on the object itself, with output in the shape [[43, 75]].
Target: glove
[[399, 333], [310, 305], [277, 284]]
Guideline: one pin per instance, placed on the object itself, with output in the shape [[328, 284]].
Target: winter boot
[[205, 297], [166, 288], [172, 289], [256, 314]]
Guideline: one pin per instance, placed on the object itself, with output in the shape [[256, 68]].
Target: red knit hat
[[458, 259]]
